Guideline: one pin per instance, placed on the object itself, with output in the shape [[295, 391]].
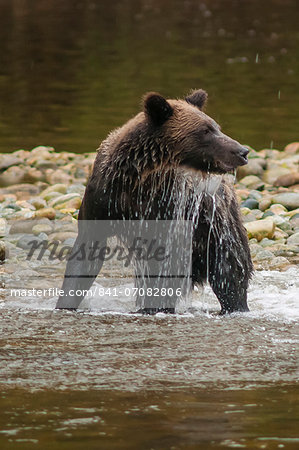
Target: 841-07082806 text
[[100, 291]]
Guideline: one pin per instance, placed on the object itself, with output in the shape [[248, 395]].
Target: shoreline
[[41, 185]]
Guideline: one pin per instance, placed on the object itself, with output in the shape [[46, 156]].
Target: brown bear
[[167, 162]]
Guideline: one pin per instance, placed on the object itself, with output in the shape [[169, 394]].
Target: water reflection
[[194, 419], [71, 71]]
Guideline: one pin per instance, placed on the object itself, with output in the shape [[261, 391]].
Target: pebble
[[264, 254], [3, 227], [38, 202], [265, 203], [287, 180], [277, 208], [268, 213], [245, 211], [76, 188], [50, 213], [24, 214], [252, 182], [43, 236], [42, 228], [278, 262], [278, 220], [250, 203], [22, 191], [39, 153], [286, 250], [257, 213], [271, 175], [25, 205], [294, 221], [13, 175], [265, 242], [51, 195], [255, 166], [66, 225], [22, 226], [8, 160], [27, 241], [292, 148], [293, 213], [22, 154], [254, 249], [62, 236], [2, 251], [279, 234], [288, 199], [260, 228], [257, 195], [294, 239], [61, 188], [70, 205], [269, 154], [70, 241], [41, 185], [32, 175], [58, 176], [70, 211], [63, 199], [45, 164], [286, 226], [27, 274]]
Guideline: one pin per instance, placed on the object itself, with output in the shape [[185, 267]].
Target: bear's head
[[194, 138]]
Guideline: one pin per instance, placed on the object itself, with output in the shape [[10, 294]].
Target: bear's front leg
[[232, 295], [221, 253], [152, 295], [229, 274], [83, 266]]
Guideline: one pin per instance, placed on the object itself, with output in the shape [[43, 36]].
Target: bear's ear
[[157, 108], [197, 98]]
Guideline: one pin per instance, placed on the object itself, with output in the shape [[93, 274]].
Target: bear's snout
[[243, 152], [239, 153]]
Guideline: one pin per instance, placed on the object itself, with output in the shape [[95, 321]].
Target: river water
[[106, 378], [102, 377], [72, 70]]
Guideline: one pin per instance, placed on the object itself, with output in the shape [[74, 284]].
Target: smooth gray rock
[[288, 199], [294, 239]]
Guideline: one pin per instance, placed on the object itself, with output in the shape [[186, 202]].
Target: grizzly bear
[[169, 161]]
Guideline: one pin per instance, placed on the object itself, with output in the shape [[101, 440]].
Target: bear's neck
[[137, 160]]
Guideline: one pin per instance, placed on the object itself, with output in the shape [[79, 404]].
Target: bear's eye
[[206, 131]]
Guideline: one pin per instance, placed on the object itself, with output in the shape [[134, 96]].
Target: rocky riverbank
[[41, 185]]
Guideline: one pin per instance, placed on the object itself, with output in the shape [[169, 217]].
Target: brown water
[[205, 418], [72, 70], [71, 380], [104, 378]]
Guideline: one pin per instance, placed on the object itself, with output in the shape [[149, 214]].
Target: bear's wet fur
[[170, 162]]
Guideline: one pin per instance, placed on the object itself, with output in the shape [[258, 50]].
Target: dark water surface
[[72, 70], [207, 418], [99, 378], [115, 381]]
